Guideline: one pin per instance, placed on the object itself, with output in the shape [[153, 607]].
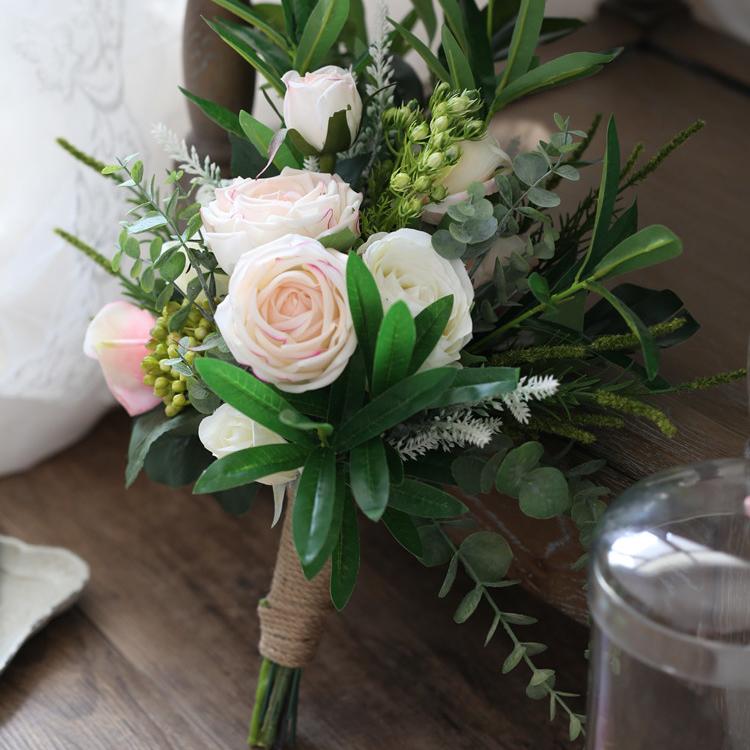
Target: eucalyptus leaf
[[543, 493], [516, 465], [488, 555]]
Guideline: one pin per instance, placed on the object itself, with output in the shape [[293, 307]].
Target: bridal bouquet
[[384, 305]]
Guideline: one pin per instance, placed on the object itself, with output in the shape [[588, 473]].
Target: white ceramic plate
[[36, 583]]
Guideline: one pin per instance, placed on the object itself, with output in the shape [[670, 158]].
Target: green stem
[[261, 692], [500, 616]]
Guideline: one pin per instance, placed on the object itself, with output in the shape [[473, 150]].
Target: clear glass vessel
[[670, 599]]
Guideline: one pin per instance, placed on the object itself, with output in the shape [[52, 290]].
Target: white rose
[[312, 99], [406, 267], [249, 212], [501, 249], [287, 314], [228, 430], [479, 161]]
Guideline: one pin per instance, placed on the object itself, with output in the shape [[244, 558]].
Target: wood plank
[[173, 593]]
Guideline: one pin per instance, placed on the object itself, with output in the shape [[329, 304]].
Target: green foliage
[[345, 558], [423, 500], [365, 306], [320, 33], [394, 348], [369, 477]]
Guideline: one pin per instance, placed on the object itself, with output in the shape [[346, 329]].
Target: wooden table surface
[[161, 650]]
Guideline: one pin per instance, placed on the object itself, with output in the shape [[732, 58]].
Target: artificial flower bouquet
[[383, 303]]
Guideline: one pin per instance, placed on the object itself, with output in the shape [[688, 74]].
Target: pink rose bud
[[117, 337]]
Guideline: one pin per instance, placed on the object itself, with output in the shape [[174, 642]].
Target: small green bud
[[164, 367], [172, 351], [161, 383], [160, 351], [189, 357], [474, 129], [399, 181], [441, 90], [423, 184], [440, 124], [200, 334], [149, 379], [179, 400], [457, 105], [171, 411], [178, 386], [411, 207], [159, 332], [435, 160], [438, 193], [452, 154], [420, 132]]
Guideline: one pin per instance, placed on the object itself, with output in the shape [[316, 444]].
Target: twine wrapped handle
[[293, 614]]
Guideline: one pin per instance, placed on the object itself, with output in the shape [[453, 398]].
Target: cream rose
[[406, 267], [478, 162], [312, 99], [287, 314], [249, 212], [228, 430]]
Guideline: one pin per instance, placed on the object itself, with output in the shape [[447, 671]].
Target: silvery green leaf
[[201, 398], [560, 121], [461, 232], [446, 246], [505, 189], [132, 248], [543, 493], [487, 312], [516, 465], [493, 629], [544, 198], [450, 577], [568, 172], [468, 605], [530, 168], [483, 209], [574, 728], [515, 619], [514, 658], [488, 555], [532, 213], [534, 649], [543, 251], [150, 221], [480, 230], [461, 211], [519, 263], [476, 191]]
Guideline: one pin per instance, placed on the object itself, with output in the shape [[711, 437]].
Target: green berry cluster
[[169, 365], [424, 151]]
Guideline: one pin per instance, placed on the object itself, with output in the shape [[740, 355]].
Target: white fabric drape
[[100, 73]]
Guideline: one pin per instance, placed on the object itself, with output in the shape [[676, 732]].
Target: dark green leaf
[[320, 33], [348, 391], [338, 135], [398, 403], [261, 137], [314, 504], [403, 529], [539, 287], [424, 500], [365, 305], [455, 22], [345, 558], [312, 568], [474, 384], [369, 477], [435, 549], [342, 240], [393, 348], [237, 501], [467, 471], [430, 325], [458, 64], [426, 12], [250, 396], [424, 52], [249, 465], [243, 11], [147, 429], [524, 41], [488, 555], [450, 577]]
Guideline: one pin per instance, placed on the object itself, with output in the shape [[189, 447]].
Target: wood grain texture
[[161, 651]]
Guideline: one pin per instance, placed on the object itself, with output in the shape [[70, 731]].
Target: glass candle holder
[[670, 600]]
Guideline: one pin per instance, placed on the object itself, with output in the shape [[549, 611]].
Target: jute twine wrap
[[294, 612]]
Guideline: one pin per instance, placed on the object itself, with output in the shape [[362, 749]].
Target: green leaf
[[648, 345], [320, 34], [429, 326], [543, 493], [365, 305], [455, 22], [539, 287], [574, 728], [312, 568], [249, 465], [294, 419], [543, 198], [553, 73], [261, 135], [147, 429], [436, 551], [423, 51], [145, 223], [450, 577], [348, 391], [514, 658], [314, 504], [250, 396], [238, 501], [524, 41], [171, 268], [393, 348], [605, 202], [345, 558], [426, 12], [468, 605], [474, 384], [342, 240], [467, 471], [243, 11], [248, 53], [403, 529], [369, 477], [488, 555], [530, 168], [424, 500], [652, 245], [447, 246], [458, 63], [338, 135], [398, 403], [516, 465]]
